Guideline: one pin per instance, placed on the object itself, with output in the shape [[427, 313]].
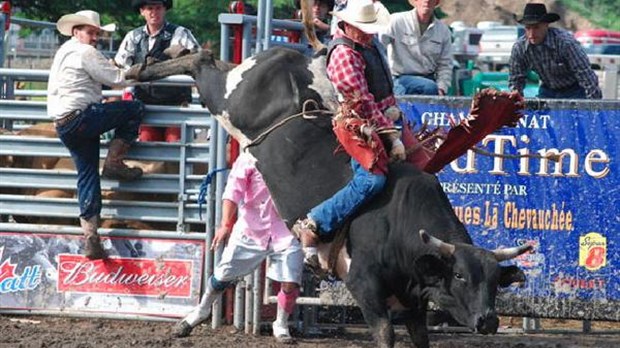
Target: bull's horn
[[445, 249], [509, 253]]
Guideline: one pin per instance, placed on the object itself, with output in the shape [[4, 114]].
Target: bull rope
[[306, 114]]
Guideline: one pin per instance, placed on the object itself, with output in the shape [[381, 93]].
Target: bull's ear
[[431, 268], [509, 275]]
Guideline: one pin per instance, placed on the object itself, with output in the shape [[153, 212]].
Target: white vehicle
[[496, 44], [484, 25], [465, 42]]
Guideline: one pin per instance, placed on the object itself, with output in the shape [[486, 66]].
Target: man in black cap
[[151, 40], [555, 55]]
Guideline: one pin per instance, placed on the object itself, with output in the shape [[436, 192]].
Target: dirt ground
[[52, 332]]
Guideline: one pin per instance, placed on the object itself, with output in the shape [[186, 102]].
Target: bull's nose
[[487, 324]]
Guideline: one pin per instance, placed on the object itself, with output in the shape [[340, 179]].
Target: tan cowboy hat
[[87, 17], [364, 15]]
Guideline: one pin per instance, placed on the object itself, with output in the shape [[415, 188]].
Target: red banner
[[123, 276]]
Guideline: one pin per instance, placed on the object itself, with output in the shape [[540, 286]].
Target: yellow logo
[[592, 251]]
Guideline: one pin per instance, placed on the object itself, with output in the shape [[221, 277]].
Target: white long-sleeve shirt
[[410, 52], [76, 76]]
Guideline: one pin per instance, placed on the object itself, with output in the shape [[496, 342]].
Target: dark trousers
[[81, 136], [572, 92]]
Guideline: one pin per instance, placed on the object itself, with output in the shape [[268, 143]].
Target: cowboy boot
[[114, 167], [92, 248]]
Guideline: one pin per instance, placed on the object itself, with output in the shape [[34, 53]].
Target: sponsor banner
[[141, 276], [569, 210]]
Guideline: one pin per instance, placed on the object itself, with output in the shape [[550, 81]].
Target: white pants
[[242, 255]]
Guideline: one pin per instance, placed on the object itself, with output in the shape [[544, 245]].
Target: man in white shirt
[[74, 102], [151, 40], [419, 50]]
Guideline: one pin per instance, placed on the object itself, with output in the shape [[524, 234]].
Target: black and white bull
[[392, 261]]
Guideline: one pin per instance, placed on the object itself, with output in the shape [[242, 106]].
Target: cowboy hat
[[364, 15], [536, 13], [87, 17], [137, 4]]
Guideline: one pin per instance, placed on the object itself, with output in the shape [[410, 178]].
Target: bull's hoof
[[93, 249], [182, 329]]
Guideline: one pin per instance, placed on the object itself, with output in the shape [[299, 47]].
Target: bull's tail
[[307, 18]]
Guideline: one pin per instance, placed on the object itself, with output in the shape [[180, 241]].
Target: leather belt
[[66, 118]]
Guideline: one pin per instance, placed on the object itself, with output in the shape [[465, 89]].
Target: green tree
[[602, 13], [119, 12]]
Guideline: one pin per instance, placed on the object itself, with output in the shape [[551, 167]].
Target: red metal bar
[[237, 7]]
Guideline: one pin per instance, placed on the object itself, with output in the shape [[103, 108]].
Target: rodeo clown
[[259, 232]]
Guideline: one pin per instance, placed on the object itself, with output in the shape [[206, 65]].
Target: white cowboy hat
[[364, 15], [87, 17]]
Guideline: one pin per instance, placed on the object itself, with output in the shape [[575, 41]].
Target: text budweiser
[[125, 275]]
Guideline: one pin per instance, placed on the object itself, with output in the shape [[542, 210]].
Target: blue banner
[[569, 210]]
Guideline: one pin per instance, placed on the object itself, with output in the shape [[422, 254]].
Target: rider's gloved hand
[[397, 153], [367, 131]]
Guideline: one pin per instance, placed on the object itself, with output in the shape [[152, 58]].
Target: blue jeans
[[330, 214], [414, 84], [572, 92], [81, 136]]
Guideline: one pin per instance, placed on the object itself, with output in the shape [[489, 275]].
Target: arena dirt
[[52, 332]]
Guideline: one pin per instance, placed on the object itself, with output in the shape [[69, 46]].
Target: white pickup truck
[[496, 44]]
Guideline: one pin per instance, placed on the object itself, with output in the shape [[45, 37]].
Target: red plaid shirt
[[346, 71]]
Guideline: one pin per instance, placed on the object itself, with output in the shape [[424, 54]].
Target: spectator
[[419, 50], [74, 102], [555, 55], [361, 76], [258, 233], [150, 41], [322, 19]]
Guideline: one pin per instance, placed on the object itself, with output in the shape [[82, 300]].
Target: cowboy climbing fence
[[157, 262]]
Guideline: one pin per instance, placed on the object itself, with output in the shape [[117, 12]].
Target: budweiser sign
[[125, 276]]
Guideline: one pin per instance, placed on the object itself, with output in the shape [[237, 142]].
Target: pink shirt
[[257, 216]]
